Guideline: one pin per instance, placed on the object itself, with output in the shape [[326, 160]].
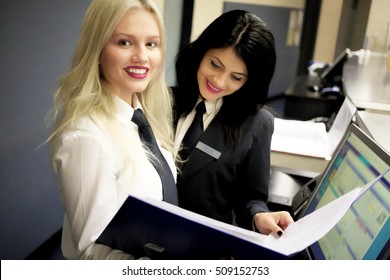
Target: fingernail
[[280, 233]]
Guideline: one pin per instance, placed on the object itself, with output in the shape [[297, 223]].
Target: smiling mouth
[[138, 73], [212, 88]]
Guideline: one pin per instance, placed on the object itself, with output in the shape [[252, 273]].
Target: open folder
[[311, 138], [159, 230]]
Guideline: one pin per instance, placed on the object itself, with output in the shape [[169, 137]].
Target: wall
[[374, 29], [329, 37], [377, 27], [204, 13], [327, 30], [38, 37], [172, 18]]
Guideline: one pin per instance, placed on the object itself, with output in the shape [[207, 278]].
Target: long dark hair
[[253, 41]]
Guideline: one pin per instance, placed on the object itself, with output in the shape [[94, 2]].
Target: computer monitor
[[332, 76], [364, 231]]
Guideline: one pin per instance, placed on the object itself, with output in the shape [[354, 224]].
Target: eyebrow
[[151, 37], [238, 73]]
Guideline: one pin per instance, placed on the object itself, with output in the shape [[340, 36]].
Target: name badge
[[208, 150]]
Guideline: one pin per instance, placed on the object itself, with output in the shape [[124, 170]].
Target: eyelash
[[154, 44], [126, 43], [215, 66]]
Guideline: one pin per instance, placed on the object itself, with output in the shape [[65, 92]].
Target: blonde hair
[[82, 92]]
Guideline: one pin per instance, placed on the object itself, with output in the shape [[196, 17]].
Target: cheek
[[103, 66], [233, 87], [155, 58], [202, 75], [155, 65], [199, 75], [107, 60], [203, 68], [237, 87]]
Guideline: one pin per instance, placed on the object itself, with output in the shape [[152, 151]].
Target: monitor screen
[[332, 75], [364, 231]]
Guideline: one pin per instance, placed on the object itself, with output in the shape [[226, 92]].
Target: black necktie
[[194, 132], [146, 134]]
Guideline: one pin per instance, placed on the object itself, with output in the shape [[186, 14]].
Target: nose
[[220, 80], [139, 55]]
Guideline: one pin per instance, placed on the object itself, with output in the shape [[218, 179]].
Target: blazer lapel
[[212, 137]]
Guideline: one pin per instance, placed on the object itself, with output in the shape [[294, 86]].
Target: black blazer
[[233, 187]]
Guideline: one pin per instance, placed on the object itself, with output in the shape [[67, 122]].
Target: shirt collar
[[212, 106], [123, 110]]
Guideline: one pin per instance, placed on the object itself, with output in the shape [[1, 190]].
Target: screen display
[[364, 231]]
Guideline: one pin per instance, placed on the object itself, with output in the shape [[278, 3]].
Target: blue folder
[[144, 230]]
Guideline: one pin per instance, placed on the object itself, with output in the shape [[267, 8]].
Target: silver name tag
[[208, 150]]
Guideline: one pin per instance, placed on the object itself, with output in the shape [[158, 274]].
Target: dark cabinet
[[304, 103]]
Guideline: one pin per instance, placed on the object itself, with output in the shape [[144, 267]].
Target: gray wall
[[37, 42], [172, 19]]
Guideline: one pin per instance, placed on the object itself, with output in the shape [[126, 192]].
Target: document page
[[297, 236], [299, 137], [310, 138], [314, 226]]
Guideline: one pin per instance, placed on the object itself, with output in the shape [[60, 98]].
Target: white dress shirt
[[184, 123], [94, 181]]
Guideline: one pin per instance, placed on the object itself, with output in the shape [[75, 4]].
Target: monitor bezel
[[330, 75], [374, 146]]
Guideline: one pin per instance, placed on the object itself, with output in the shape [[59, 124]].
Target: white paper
[[297, 236], [310, 138], [299, 137], [314, 226]]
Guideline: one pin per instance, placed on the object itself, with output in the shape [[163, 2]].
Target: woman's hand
[[272, 222]]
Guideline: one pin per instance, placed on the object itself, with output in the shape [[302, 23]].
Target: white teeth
[[214, 88], [137, 71]]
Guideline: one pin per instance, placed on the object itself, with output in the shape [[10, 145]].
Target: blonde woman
[[96, 151]]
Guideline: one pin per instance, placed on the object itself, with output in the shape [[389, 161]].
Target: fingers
[[275, 222], [285, 219], [276, 229]]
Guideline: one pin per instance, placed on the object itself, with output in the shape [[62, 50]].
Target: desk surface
[[376, 125], [368, 86], [368, 83]]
